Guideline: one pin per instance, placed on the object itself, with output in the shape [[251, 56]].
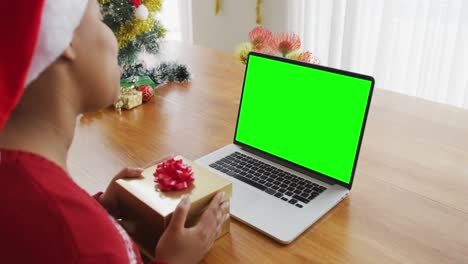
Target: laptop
[[296, 144]]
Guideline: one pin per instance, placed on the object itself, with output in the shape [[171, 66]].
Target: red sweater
[[46, 218]]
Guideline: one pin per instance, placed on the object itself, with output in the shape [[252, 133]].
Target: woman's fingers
[[217, 200], [214, 217], [225, 217], [137, 172], [222, 212], [224, 206], [129, 173], [210, 216], [180, 214]]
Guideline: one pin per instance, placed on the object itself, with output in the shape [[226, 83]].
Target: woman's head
[[88, 65], [62, 50], [92, 59]]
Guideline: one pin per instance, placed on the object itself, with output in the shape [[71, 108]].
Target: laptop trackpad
[[243, 199]]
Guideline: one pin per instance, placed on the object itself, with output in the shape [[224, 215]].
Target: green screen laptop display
[[307, 116]]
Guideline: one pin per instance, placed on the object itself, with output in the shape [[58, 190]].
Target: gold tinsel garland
[[152, 5], [132, 29], [136, 27], [217, 5], [258, 10]]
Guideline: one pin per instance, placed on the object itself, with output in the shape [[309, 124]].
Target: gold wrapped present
[[129, 98], [147, 211]]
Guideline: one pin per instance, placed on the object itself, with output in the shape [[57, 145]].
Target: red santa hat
[[34, 34]]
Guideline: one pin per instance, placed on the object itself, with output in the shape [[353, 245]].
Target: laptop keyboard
[[276, 182]]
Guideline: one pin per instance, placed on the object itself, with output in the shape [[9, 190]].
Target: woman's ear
[[69, 54]]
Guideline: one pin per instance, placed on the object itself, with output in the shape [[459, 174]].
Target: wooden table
[[409, 202]]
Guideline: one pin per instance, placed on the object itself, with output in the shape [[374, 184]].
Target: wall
[[234, 21]]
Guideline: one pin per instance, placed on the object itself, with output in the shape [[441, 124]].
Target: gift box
[[146, 210], [137, 81], [129, 98]]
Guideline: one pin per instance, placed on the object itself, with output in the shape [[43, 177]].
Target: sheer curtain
[[176, 16], [417, 47]]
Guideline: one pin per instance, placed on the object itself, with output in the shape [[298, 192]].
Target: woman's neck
[[42, 123]]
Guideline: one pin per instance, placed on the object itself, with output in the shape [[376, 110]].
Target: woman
[[67, 59]]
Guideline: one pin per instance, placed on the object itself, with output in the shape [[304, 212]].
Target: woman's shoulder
[[30, 220], [47, 215], [21, 163], [34, 177]]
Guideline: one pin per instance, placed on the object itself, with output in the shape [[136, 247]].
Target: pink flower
[[267, 50], [259, 37], [314, 60], [282, 44], [305, 56], [285, 43]]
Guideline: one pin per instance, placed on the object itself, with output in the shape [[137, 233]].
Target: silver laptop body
[[282, 212]]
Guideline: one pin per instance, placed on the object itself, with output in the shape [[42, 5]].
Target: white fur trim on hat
[[59, 20]]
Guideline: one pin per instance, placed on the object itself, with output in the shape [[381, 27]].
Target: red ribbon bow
[[136, 3], [173, 175]]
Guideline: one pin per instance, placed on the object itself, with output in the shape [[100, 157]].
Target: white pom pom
[[142, 12]]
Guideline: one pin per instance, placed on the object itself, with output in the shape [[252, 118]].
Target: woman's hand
[[189, 245], [109, 199]]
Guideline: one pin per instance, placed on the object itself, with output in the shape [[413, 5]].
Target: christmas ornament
[[134, 26], [141, 12], [147, 92], [136, 3], [173, 175]]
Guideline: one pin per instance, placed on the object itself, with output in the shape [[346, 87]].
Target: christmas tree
[[137, 30]]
